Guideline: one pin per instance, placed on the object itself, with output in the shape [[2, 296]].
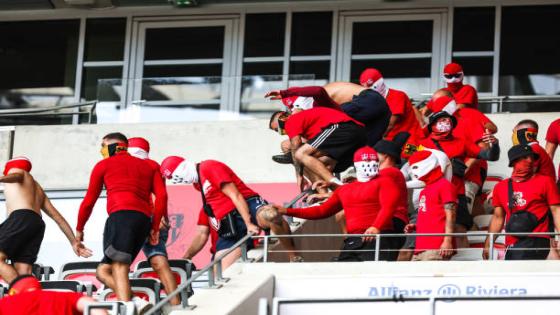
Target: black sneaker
[[283, 158]]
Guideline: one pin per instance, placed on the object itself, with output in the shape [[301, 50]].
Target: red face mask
[[523, 169], [432, 176], [442, 128]]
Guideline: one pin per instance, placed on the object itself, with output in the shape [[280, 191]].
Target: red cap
[[289, 101], [20, 162], [24, 283], [169, 165], [452, 68], [419, 156], [365, 154], [139, 142], [370, 76], [439, 103]]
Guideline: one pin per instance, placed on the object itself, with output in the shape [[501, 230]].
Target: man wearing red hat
[[463, 93], [26, 297], [436, 209], [233, 208], [22, 232], [369, 206], [404, 116], [130, 183]]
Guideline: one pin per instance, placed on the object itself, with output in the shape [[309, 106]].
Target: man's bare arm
[[555, 209], [12, 178], [198, 242], [496, 225]]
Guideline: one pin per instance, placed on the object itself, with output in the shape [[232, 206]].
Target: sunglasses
[[452, 76]]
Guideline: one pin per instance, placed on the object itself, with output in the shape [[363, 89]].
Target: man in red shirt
[[332, 137], [525, 132], [552, 141], [156, 254], [525, 201], [369, 206], [404, 116], [436, 209], [441, 138], [362, 104], [27, 298], [464, 94], [130, 183], [233, 208]]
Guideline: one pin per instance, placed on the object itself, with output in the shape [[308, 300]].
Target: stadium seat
[[146, 289], [181, 268], [63, 285], [83, 271], [482, 221], [42, 272]]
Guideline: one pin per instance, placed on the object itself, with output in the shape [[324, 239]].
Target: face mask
[[443, 126], [185, 173], [139, 153], [524, 136], [454, 81], [112, 149], [366, 171], [303, 103], [380, 87], [522, 170], [422, 168], [282, 118]]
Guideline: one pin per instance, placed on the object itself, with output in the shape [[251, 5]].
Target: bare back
[[25, 195], [342, 92]]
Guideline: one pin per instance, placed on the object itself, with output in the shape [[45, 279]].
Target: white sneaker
[[167, 308], [142, 306]]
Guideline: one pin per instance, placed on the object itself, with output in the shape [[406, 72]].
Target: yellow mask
[[112, 149]]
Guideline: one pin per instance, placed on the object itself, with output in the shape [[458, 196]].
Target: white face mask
[[443, 126], [137, 152], [366, 171], [455, 79], [185, 173], [450, 108], [423, 167], [380, 87], [303, 103]]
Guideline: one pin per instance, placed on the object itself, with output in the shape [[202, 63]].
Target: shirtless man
[[22, 232], [363, 104]]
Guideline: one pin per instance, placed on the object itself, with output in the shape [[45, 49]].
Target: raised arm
[[325, 210], [318, 93]]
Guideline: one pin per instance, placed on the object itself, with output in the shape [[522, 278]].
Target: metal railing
[[499, 101], [52, 111]]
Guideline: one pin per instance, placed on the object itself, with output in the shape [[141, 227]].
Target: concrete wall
[[63, 156]]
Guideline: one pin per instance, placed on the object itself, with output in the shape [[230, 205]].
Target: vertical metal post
[[244, 252], [491, 250], [265, 254], [185, 300], [211, 282], [377, 246], [432, 305], [219, 276], [263, 306]]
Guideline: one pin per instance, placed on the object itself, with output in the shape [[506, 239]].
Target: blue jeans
[[158, 249]]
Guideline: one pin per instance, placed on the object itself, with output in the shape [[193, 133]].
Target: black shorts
[[340, 141], [124, 235], [398, 242], [371, 109], [463, 218], [354, 249], [21, 236], [529, 248]]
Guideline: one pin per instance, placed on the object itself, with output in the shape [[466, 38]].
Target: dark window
[[264, 34], [208, 70], [262, 68], [311, 34], [184, 43], [104, 39], [529, 62], [90, 83], [392, 37], [318, 68], [473, 29], [478, 71]]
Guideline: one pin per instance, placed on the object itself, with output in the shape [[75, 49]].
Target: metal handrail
[[501, 100], [18, 112]]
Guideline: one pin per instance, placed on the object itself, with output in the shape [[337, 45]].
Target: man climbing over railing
[[233, 209]]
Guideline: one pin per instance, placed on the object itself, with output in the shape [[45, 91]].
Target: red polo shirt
[[310, 123]]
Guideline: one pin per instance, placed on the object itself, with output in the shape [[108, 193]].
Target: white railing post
[[377, 246], [265, 254]]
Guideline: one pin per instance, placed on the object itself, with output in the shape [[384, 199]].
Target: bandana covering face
[[113, 148], [524, 136], [298, 102], [456, 83], [20, 162], [366, 163], [424, 166], [523, 169], [185, 173], [442, 129]]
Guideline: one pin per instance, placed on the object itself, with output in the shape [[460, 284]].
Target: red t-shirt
[[466, 95], [470, 124], [155, 165], [455, 148], [129, 182], [393, 178], [545, 166], [41, 303], [431, 213], [203, 220], [400, 104], [213, 175], [534, 195], [365, 205], [309, 123], [553, 135]]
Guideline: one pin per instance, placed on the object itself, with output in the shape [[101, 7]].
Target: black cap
[[393, 148], [520, 151], [438, 115]]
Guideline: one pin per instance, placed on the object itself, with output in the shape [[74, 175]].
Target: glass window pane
[[473, 29], [262, 68], [264, 34], [258, 79], [104, 39], [311, 34], [529, 63], [90, 82], [410, 75], [38, 62], [184, 43], [478, 71], [319, 69], [392, 37], [210, 70]]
